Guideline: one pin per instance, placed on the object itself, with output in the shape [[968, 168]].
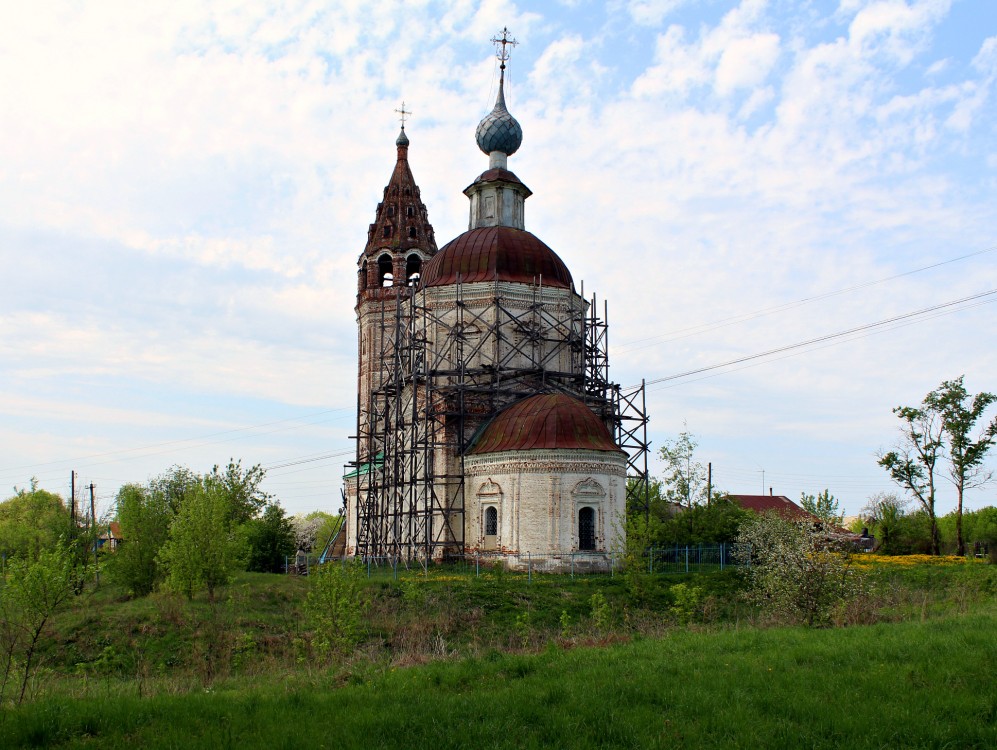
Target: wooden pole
[[93, 527]]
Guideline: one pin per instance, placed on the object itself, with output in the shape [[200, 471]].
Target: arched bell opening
[[385, 277], [413, 269]]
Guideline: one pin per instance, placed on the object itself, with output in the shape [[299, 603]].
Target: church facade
[[486, 422]]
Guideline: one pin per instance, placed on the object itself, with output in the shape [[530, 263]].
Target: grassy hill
[[455, 661]]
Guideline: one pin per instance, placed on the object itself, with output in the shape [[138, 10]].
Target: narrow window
[[387, 231], [391, 210], [586, 529], [411, 232], [491, 521], [363, 275], [384, 275], [411, 211]]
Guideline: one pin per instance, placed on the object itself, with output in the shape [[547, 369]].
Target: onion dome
[[499, 131], [402, 139], [497, 253], [547, 421]]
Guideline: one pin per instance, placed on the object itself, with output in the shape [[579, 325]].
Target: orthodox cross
[[505, 40], [404, 113]]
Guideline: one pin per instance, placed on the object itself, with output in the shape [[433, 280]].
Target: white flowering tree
[[794, 571]]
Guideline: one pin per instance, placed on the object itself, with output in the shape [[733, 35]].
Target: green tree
[[684, 480], [824, 505], [35, 589], [202, 550], [271, 540], [884, 515], [32, 521], [704, 524], [912, 464], [794, 571], [241, 488], [174, 486], [960, 412], [144, 516]]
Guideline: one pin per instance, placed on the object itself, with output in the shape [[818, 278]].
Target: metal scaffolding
[[444, 363]]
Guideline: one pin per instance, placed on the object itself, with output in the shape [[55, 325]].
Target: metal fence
[[658, 561]]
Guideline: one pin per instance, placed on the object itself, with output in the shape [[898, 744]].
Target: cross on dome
[[499, 134], [504, 41]]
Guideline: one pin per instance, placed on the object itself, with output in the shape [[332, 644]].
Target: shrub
[[795, 572], [336, 606]]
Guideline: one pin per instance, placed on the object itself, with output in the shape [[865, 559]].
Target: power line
[[82, 459], [743, 317], [819, 339]]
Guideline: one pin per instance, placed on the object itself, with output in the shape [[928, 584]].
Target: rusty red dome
[[496, 254], [545, 421]]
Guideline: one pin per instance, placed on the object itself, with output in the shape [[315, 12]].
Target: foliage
[[798, 574], [175, 486], [632, 542], [824, 505], [959, 414], [241, 489], [912, 464], [313, 531], [684, 480], [703, 524], [336, 606], [202, 550], [34, 590], [601, 614], [144, 516], [271, 540], [884, 515], [686, 601], [32, 521]]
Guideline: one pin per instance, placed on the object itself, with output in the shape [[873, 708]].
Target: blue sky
[[185, 188]]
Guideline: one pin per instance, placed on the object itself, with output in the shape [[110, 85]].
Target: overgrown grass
[[499, 660], [904, 685]]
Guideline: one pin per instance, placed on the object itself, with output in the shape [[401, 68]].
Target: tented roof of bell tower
[[402, 222]]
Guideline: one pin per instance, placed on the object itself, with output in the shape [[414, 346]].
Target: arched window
[[491, 520], [391, 210], [413, 269], [411, 232], [363, 275], [586, 528], [387, 230], [384, 275], [410, 211]]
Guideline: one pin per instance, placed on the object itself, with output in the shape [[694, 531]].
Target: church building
[[486, 421]]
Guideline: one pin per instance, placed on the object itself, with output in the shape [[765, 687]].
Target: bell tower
[[399, 241]]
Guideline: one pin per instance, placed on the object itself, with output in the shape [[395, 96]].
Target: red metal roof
[[779, 503], [496, 254], [545, 421]]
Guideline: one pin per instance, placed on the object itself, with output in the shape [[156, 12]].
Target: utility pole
[[93, 526], [709, 483], [72, 503]]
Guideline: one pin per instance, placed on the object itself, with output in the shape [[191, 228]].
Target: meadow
[[449, 660]]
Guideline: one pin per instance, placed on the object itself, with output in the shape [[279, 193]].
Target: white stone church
[[486, 422]]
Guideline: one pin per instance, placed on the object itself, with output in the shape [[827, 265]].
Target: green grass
[[454, 660], [898, 685]]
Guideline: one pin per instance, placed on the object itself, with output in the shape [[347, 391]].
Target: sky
[[186, 186]]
